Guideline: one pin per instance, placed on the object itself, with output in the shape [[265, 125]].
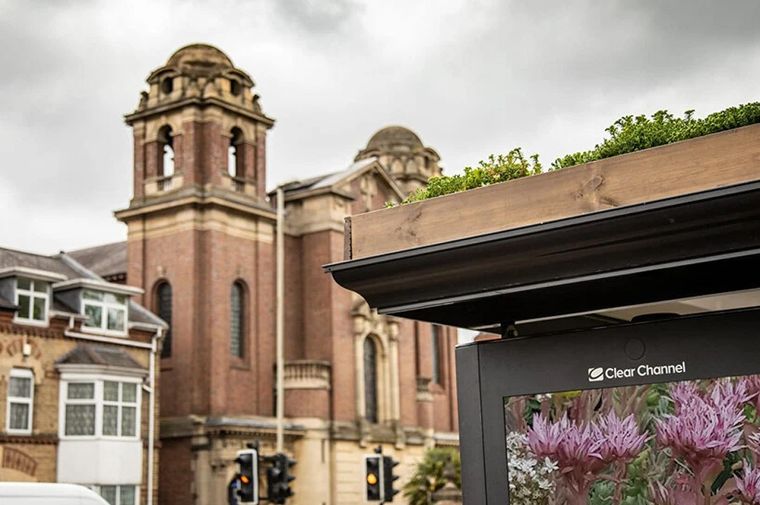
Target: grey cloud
[[318, 16], [470, 76]]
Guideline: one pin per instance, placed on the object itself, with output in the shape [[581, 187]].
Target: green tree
[[428, 477]]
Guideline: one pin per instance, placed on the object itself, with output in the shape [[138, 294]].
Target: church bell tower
[[201, 245]]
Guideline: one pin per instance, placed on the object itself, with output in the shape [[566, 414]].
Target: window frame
[[22, 373], [98, 487], [99, 402], [32, 294], [104, 307]]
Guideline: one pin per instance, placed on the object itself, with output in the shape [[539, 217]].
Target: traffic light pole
[[280, 319]]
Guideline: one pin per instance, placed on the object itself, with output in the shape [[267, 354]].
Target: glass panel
[[39, 309], [128, 392], [110, 420], [80, 420], [40, 287], [92, 295], [128, 424], [370, 380], [19, 416], [22, 283], [126, 495], [116, 319], [94, 316], [111, 391], [81, 390], [23, 306], [586, 446], [109, 494], [20, 387]]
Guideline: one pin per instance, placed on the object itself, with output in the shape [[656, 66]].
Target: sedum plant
[[531, 479], [626, 135]]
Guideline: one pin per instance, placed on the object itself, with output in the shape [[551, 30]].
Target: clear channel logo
[[599, 374]]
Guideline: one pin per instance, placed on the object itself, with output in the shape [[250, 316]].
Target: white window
[[119, 409], [20, 401], [33, 300], [101, 408], [117, 495], [105, 311]]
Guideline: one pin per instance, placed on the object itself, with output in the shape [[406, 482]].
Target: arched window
[[370, 380], [166, 164], [237, 319], [164, 311], [234, 154], [437, 374]]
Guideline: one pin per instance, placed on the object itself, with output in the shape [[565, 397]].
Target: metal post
[[280, 319]]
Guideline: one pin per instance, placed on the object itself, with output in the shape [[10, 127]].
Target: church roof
[[198, 57], [106, 260], [334, 180], [394, 135], [326, 180]]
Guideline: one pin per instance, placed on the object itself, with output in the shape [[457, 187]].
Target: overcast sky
[[471, 77]]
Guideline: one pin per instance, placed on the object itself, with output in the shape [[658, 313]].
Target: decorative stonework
[[403, 155], [423, 390], [14, 459], [307, 374], [384, 330]]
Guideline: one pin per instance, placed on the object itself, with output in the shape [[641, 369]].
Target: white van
[[34, 493]]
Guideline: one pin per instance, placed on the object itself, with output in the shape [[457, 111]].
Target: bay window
[[118, 495], [104, 311], [100, 408]]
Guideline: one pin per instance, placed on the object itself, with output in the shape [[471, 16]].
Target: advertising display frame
[[710, 345]]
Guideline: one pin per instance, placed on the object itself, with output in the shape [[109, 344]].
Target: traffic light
[[248, 476], [389, 478], [279, 478], [374, 477]]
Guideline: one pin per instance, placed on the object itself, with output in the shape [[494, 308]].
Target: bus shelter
[[625, 276]]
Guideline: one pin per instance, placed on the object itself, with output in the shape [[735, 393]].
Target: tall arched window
[[164, 311], [234, 154], [437, 375], [166, 165], [370, 380], [237, 319]]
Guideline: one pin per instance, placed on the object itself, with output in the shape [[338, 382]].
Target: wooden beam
[[700, 164]]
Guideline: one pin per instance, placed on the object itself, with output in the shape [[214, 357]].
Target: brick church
[[201, 244]]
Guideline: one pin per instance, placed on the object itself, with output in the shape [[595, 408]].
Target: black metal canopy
[[686, 246]]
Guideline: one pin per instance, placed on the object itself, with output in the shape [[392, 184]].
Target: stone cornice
[[200, 102], [194, 196]]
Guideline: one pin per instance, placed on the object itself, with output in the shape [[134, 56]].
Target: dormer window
[[104, 311], [33, 300]]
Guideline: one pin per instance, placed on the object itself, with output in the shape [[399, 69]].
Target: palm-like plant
[[428, 477]]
